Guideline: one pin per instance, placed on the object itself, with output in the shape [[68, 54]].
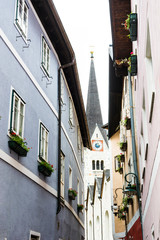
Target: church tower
[[97, 159]]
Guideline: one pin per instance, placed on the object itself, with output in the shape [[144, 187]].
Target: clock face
[[97, 145]]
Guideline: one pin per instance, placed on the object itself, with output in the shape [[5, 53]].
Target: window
[[34, 235], [43, 143], [149, 73], [22, 17], [62, 174], [117, 164], [70, 177], [77, 191], [97, 165], [78, 138], [17, 114], [93, 165], [62, 88], [70, 112], [102, 165], [45, 56]]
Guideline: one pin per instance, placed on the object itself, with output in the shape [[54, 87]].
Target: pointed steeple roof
[[93, 110]]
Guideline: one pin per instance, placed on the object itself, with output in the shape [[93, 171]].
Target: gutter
[[134, 149], [59, 132]]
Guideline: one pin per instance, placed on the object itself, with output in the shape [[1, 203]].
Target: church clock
[[97, 145]]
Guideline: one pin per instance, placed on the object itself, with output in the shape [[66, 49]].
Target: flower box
[[72, 194], [128, 124], [133, 69], [80, 207], [123, 146], [120, 157], [45, 168], [17, 148], [129, 200], [120, 170], [133, 26]]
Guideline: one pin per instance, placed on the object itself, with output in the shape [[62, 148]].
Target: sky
[[87, 24]]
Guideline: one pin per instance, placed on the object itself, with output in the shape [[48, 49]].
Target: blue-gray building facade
[[41, 103]]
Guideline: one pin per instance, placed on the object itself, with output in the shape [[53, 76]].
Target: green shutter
[[11, 116]]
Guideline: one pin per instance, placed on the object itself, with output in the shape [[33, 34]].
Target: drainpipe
[[134, 148], [59, 133]]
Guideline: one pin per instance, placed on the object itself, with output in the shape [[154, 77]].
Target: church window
[[97, 165], [102, 165], [93, 165]]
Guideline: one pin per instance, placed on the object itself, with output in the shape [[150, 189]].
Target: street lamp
[[130, 189]]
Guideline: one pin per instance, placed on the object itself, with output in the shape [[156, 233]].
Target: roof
[[51, 22], [122, 47], [115, 96], [93, 109]]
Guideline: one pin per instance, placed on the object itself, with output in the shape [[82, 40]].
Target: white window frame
[[62, 88], [17, 123], [79, 138], [78, 195], [21, 19], [62, 174], [43, 142], [35, 234], [70, 177], [70, 112], [45, 56]]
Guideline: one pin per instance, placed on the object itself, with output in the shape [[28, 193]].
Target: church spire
[[93, 110]]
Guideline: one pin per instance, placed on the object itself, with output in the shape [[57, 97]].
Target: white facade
[[97, 189]]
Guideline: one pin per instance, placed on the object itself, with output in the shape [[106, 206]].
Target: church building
[[97, 168]]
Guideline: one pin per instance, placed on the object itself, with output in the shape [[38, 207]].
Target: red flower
[[131, 53], [52, 166]]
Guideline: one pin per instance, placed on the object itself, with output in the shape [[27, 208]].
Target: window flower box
[[120, 170], [126, 122], [80, 207], [121, 67], [45, 168], [123, 146], [133, 26], [72, 193], [18, 144], [17, 148], [120, 157]]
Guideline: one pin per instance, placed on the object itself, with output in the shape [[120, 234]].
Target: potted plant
[[45, 168], [132, 61], [130, 24], [120, 170], [121, 214], [126, 122], [72, 193], [18, 144], [120, 157], [121, 67], [128, 200], [123, 146], [133, 186], [80, 207]]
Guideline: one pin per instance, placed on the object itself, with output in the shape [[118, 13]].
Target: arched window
[[93, 165], [102, 165], [97, 165]]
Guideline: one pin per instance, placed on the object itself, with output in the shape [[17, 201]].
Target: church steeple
[[93, 110]]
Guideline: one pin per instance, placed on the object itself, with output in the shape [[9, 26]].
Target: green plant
[[133, 186], [120, 169], [124, 122], [70, 190], [80, 207], [16, 138], [47, 165], [119, 157], [126, 24]]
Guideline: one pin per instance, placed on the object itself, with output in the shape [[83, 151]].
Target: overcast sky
[[87, 24]]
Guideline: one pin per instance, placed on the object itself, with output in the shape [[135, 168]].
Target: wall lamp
[[131, 189], [114, 208]]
